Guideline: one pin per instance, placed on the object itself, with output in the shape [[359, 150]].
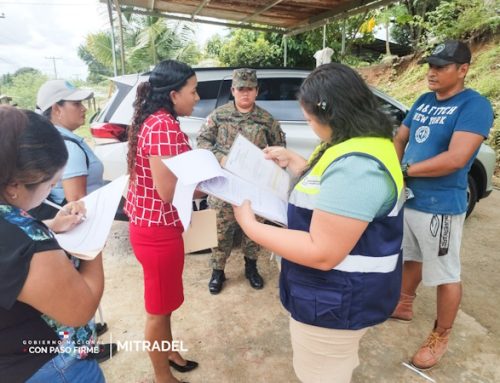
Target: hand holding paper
[[247, 175], [244, 213]]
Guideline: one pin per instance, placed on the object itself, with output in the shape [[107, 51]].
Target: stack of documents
[[246, 175]]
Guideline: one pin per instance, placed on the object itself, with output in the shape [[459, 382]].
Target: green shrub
[[462, 19]]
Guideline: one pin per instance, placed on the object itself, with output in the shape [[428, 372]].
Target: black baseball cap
[[449, 52]]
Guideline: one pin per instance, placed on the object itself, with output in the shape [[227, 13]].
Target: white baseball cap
[[59, 90]]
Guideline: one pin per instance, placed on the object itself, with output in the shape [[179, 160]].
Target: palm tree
[[147, 40], [153, 39]]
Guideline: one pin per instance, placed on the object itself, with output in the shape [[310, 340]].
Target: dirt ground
[[241, 335]]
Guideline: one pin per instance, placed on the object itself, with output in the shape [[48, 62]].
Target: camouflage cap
[[244, 78]]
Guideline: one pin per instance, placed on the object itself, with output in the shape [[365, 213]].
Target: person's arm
[[163, 179], [207, 138], [329, 241], [74, 178], [286, 158], [462, 147], [75, 188], [400, 140], [54, 287]]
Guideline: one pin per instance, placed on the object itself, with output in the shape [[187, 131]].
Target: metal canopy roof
[[289, 17]]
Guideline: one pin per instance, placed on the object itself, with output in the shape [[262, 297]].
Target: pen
[[58, 207]]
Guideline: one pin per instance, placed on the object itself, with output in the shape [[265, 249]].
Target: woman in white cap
[[62, 103]]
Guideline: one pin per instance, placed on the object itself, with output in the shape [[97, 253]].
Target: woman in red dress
[[155, 228]]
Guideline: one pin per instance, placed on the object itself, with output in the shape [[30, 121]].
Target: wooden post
[[113, 48]]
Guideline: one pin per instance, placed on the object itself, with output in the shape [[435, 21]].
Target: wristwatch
[[404, 170]]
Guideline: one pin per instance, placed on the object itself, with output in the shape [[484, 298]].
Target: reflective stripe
[[364, 264]]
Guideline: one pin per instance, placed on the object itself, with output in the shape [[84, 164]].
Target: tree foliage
[[301, 48], [259, 49], [147, 40], [249, 48], [213, 46], [97, 54], [462, 19], [153, 39], [415, 20], [23, 86]]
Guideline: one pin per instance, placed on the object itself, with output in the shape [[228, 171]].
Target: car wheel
[[471, 195]]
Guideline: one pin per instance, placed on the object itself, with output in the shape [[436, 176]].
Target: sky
[[32, 32]]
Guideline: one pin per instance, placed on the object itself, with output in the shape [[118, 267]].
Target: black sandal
[[101, 328], [189, 366]]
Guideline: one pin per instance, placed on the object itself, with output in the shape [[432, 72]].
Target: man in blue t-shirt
[[444, 130]]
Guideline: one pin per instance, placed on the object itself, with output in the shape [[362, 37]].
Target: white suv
[[277, 94]]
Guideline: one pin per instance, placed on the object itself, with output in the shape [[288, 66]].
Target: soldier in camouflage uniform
[[218, 133]]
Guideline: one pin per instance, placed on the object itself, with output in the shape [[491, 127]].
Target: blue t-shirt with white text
[[432, 123]]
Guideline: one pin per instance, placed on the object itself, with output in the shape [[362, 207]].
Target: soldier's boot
[[252, 274], [404, 310], [216, 281]]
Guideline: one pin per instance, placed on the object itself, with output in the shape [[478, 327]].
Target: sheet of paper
[[194, 166], [235, 190], [191, 168], [248, 162], [87, 239], [183, 202]]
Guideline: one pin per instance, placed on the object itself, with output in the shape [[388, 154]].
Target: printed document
[[246, 175], [247, 161], [88, 239]]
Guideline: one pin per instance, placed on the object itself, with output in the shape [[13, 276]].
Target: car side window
[[279, 97], [279, 89], [121, 91], [208, 92], [225, 94]]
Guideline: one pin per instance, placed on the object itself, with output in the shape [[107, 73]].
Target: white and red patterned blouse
[[160, 135]]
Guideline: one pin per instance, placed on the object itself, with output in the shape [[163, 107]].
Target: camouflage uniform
[[217, 134]]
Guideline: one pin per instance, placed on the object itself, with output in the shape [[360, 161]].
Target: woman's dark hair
[[48, 112], [338, 97], [153, 95], [31, 148]]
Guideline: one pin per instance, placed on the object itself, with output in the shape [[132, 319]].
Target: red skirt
[[160, 250]]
